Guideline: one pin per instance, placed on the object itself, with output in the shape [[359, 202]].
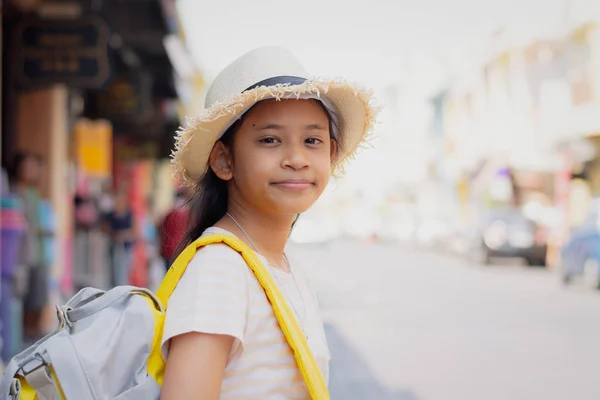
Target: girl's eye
[[269, 140], [313, 141]]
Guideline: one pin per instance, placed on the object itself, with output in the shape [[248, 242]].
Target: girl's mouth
[[293, 184]]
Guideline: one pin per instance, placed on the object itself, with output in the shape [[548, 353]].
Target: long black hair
[[209, 202]]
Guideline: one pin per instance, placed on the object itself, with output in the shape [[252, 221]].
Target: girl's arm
[[195, 366], [212, 298]]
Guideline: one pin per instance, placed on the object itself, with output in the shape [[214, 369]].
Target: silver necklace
[[286, 261]]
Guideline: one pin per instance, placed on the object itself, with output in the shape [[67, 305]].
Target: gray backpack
[[107, 345], [99, 350]]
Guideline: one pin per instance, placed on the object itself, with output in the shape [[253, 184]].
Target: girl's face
[[280, 161]]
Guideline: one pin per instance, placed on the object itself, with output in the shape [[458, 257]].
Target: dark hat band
[[278, 80]]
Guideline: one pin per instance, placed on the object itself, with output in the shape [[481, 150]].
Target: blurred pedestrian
[[122, 236], [32, 276]]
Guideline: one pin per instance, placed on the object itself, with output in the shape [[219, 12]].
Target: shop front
[[81, 80]]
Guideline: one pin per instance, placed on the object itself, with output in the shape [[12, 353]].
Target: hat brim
[[353, 105]]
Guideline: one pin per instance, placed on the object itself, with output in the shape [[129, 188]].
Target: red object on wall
[[140, 179]]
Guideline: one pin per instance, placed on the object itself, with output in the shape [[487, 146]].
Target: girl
[[260, 155]]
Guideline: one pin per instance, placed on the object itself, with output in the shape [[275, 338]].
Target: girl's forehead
[[286, 108]]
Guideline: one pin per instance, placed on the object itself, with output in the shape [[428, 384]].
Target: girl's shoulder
[[215, 270], [217, 256], [212, 295], [217, 259]]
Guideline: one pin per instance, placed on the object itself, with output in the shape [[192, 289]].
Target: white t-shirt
[[219, 294]]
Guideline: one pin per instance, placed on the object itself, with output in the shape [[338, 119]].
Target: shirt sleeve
[[211, 297]]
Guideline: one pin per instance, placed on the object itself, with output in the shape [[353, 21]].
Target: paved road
[[406, 325]]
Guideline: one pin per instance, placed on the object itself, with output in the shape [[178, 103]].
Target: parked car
[[583, 248], [507, 233]]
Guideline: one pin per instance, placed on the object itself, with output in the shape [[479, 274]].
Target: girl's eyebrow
[[274, 126], [270, 126]]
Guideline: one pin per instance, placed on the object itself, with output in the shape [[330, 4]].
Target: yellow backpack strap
[[289, 325]]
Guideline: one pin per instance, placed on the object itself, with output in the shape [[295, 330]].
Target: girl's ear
[[220, 161], [333, 149]]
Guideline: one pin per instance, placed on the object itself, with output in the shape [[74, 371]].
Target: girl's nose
[[295, 157]]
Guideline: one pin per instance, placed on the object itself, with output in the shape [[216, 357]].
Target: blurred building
[[529, 107], [97, 88]]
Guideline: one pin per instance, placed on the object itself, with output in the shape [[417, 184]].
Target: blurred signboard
[[74, 52], [126, 98], [94, 143], [127, 149]]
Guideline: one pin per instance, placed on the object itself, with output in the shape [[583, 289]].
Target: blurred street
[[404, 324], [486, 146]]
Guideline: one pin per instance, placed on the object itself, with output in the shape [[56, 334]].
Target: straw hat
[[269, 73]]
